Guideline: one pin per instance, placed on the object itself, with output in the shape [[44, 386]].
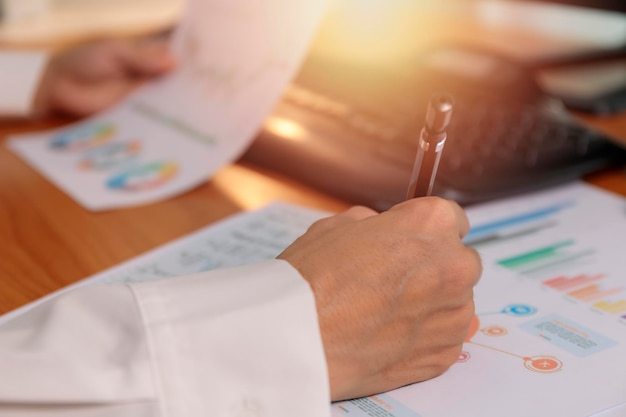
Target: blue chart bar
[[513, 226]]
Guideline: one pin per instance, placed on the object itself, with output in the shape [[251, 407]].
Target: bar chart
[[595, 289]]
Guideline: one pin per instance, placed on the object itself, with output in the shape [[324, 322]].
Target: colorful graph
[[561, 252], [111, 156], [83, 137], [100, 147], [590, 289], [144, 177]]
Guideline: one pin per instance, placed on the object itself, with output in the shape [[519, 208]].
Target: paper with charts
[[549, 336], [235, 58]]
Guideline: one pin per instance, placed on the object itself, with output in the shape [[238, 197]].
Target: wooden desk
[[48, 241]]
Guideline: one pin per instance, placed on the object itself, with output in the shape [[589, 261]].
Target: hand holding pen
[[431, 142]]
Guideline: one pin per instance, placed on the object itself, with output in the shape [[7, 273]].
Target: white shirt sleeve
[[19, 76], [234, 342]]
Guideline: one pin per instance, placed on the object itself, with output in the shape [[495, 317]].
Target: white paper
[[550, 334], [542, 346], [236, 57], [241, 239]]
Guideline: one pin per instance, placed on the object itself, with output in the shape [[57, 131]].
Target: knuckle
[[426, 210], [441, 213], [321, 224], [465, 268], [359, 212], [351, 214]]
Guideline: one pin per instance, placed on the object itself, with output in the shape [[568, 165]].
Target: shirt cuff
[[237, 341], [20, 73]]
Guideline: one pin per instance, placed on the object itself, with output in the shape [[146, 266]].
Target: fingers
[[429, 213], [436, 214], [147, 58], [358, 213], [354, 213], [467, 264], [394, 292], [70, 97], [94, 76]]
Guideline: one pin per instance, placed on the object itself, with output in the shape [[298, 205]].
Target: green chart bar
[[535, 256]]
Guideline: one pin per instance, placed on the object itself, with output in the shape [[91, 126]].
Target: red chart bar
[[563, 283]]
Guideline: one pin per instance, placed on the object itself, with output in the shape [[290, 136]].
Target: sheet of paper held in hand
[[236, 57], [549, 337]]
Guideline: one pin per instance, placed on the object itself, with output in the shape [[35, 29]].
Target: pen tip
[[439, 112]]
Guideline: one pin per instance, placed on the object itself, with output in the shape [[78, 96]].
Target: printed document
[[549, 335], [235, 59]]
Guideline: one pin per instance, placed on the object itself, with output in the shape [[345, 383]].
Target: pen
[[431, 141]]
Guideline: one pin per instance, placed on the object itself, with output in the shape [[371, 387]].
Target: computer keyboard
[[358, 131]]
